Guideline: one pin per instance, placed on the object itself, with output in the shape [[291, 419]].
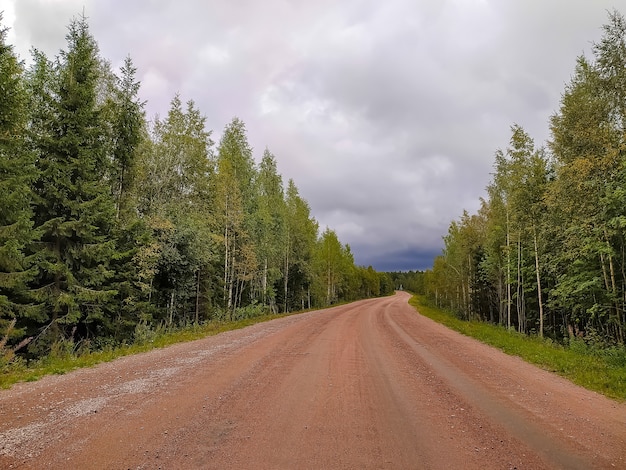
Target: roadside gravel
[[367, 385]]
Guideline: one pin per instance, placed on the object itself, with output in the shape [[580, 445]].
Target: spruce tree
[[124, 114], [16, 175], [128, 120], [74, 208]]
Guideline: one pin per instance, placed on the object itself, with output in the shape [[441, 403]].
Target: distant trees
[[111, 225], [412, 281], [546, 252]]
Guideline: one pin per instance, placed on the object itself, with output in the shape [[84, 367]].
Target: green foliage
[[17, 172], [67, 357], [411, 281], [298, 245], [269, 222], [117, 231], [602, 370], [545, 253], [73, 207], [328, 267], [252, 310], [235, 206]]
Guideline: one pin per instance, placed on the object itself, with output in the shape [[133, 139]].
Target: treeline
[[546, 252], [412, 281], [111, 224]]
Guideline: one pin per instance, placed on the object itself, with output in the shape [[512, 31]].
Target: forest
[[112, 224], [545, 254]]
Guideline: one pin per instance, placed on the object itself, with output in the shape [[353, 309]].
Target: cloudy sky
[[386, 114]]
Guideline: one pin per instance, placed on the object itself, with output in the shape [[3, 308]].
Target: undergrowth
[[600, 369], [66, 356]]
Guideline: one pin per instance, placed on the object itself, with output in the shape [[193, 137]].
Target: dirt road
[[366, 385]]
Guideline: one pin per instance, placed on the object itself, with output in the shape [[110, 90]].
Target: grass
[[601, 370], [61, 362], [597, 369]]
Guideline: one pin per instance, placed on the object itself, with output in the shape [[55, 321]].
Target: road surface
[[369, 385]]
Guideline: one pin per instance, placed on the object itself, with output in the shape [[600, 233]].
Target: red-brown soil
[[367, 385]]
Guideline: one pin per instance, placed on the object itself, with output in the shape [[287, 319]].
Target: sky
[[386, 114]]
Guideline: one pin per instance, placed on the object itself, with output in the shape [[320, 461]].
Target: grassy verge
[[60, 363], [601, 370]]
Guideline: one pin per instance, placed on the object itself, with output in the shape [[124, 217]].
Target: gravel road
[[367, 385]]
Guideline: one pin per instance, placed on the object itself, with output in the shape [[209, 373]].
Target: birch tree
[[270, 223]]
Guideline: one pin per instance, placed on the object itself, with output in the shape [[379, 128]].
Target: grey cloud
[[386, 114]]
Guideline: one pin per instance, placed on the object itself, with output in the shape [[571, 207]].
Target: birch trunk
[[539, 299]]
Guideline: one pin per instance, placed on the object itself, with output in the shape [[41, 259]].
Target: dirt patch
[[366, 385]]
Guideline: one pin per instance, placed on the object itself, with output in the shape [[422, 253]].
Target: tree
[[270, 221], [17, 172], [298, 241], [176, 165], [235, 204], [523, 185], [128, 121], [174, 192], [73, 207], [237, 254], [553, 249], [587, 199], [123, 130], [335, 274]]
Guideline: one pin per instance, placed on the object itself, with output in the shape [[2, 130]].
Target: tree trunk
[[469, 286], [538, 283], [328, 286], [197, 316], [519, 287], [265, 282], [618, 325], [226, 259], [231, 280], [286, 276], [508, 273], [604, 274], [171, 319], [500, 300]]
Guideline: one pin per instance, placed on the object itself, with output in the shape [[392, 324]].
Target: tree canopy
[[112, 223], [546, 252]]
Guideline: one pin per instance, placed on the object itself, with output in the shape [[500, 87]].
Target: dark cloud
[[386, 114], [402, 260]]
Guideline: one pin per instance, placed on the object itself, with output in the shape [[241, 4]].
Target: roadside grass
[[67, 358], [597, 369]]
